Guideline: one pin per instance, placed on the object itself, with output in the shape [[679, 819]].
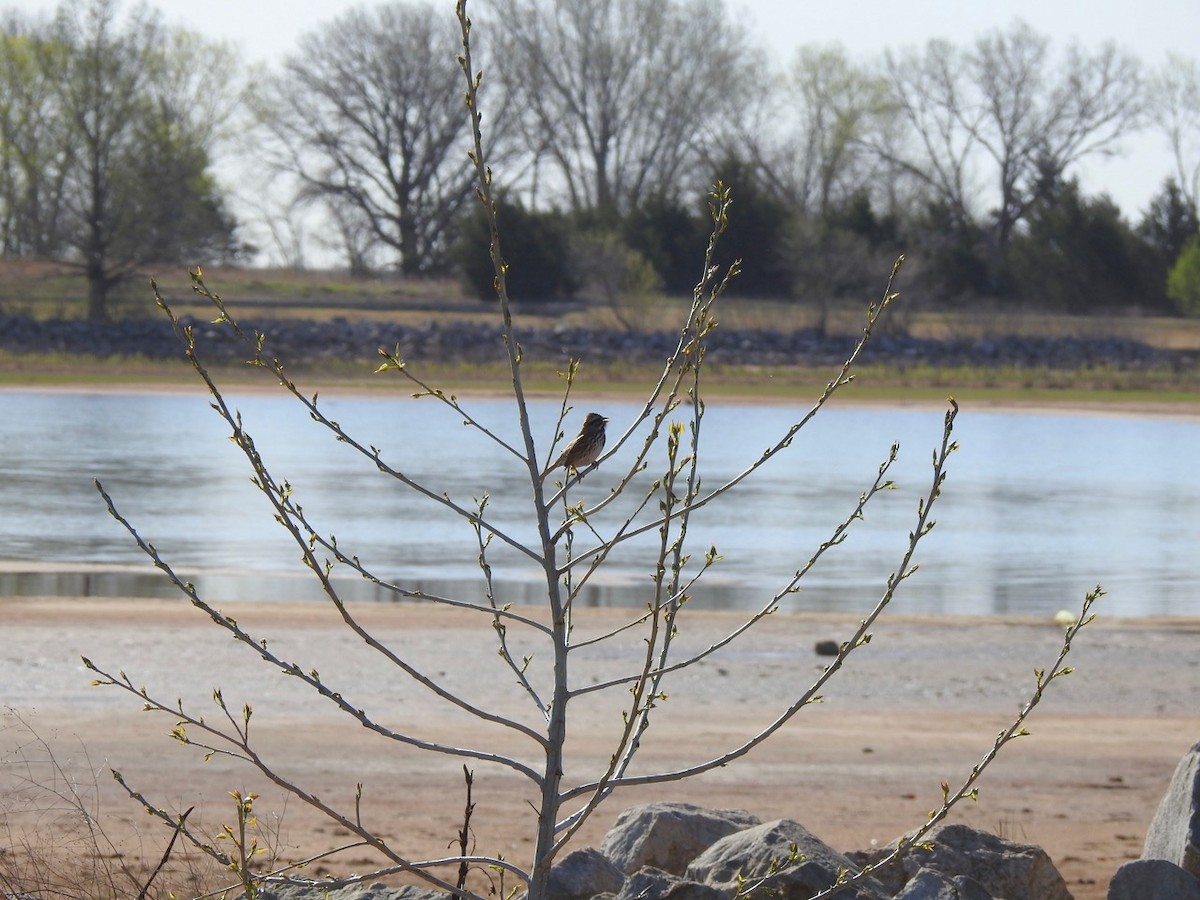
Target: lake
[[1037, 507]]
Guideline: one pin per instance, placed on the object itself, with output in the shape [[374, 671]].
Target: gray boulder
[[584, 873], [930, 884], [320, 891], [1174, 832], [655, 884], [753, 854], [892, 876], [1153, 879], [1003, 868], [668, 836]]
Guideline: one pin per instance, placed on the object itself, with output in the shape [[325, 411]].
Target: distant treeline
[[604, 121]]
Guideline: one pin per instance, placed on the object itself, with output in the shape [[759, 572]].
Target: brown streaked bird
[[584, 448]]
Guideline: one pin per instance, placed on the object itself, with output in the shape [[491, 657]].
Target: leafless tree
[[620, 96], [1005, 112], [930, 144], [1175, 107], [369, 115], [823, 110]]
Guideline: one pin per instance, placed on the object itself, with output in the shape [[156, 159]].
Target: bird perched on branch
[[584, 448]]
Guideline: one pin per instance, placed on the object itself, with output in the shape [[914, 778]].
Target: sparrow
[[584, 448]]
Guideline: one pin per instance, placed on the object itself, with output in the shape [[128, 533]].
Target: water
[[1037, 508]]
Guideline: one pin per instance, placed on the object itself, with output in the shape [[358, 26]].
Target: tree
[[1183, 282], [1079, 255], [827, 106], [36, 154], [104, 94], [618, 97], [1170, 221], [1169, 224], [368, 114], [670, 236], [756, 234], [135, 183], [956, 253], [568, 545], [538, 254], [1174, 97], [182, 215], [831, 258], [1003, 112]]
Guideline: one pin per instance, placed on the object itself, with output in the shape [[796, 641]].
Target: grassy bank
[[47, 291], [1149, 391]]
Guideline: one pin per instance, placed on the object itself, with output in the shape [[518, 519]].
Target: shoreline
[[302, 610], [1000, 400]]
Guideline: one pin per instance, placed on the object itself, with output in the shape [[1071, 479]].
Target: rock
[[1003, 868], [892, 876], [1174, 832], [296, 340], [1153, 879], [668, 836], [827, 648], [322, 891], [584, 873], [930, 884], [754, 852], [413, 892], [655, 884]]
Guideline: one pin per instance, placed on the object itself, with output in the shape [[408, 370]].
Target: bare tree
[[927, 141], [620, 96], [369, 115], [1175, 107], [820, 116], [1005, 112]]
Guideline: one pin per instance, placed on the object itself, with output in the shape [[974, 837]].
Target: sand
[[917, 706]]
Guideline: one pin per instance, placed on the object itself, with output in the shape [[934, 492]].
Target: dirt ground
[[918, 706]]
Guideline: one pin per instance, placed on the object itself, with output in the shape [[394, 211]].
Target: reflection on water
[[277, 586], [1036, 509]]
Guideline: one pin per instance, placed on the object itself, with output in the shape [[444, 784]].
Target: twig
[[464, 834], [166, 853]]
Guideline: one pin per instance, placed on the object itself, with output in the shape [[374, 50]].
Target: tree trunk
[[410, 259], [97, 300]]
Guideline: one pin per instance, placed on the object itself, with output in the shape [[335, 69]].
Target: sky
[[266, 30]]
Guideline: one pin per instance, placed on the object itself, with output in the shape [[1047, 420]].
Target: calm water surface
[[1037, 508]]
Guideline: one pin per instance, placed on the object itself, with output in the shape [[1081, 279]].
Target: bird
[[584, 448]]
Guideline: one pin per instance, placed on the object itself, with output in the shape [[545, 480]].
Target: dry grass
[[48, 290], [55, 841]]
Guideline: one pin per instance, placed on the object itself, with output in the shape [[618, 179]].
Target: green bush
[[670, 237], [536, 248], [1079, 255], [1183, 281]]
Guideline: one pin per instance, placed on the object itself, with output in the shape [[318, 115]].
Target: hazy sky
[[267, 29]]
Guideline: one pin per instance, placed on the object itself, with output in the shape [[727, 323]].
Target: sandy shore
[[918, 706], [999, 400]]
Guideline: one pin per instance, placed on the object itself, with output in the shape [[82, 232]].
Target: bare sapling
[[645, 484]]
